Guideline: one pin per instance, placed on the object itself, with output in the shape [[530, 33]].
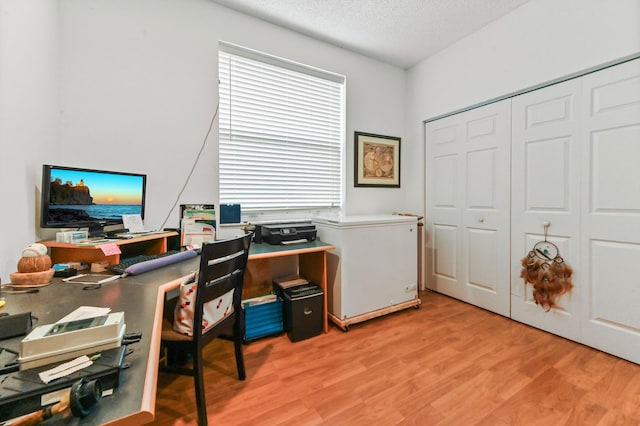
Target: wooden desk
[[142, 299], [146, 244], [311, 264]]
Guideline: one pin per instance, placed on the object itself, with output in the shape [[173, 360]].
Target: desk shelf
[[310, 262], [146, 244]]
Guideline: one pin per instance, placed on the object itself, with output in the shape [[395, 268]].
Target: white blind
[[281, 133]]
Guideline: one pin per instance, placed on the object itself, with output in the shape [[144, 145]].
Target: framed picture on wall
[[377, 160]]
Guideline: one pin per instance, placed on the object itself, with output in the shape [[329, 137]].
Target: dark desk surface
[[141, 297], [138, 296]]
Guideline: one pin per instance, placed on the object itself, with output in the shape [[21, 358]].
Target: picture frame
[[377, 160]]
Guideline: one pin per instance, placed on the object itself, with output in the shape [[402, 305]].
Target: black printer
[[285, 233]]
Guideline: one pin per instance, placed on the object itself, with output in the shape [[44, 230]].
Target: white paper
[[91, 279], [85, 312], [133, 222], [65, 369], [53, 397], [196, 233]]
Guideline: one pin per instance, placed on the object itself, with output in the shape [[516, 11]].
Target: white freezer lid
[[373, 219]]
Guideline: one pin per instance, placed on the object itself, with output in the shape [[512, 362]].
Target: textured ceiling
[[399, 32]]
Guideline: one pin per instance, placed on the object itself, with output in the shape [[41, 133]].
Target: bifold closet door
[[611, 206], [467, 183], [546, 172]]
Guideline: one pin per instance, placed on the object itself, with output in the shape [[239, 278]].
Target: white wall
[[28, 118], [131, 86], [538, 42], [139, 86], [136, 85]]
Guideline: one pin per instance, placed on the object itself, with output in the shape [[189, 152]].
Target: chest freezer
[[374, 268]]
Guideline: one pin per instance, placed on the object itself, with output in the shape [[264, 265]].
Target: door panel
[[615, 170], [546, 190], [443, 197], [468, 206], [445, 259], [480, 184], [483, 244], [445, 194], [486, 210], [611, 206], [546, 179]]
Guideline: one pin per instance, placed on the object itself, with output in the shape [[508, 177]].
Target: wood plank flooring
[[447, 363]]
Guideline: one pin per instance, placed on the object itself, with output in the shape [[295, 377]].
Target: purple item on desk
[[149, 265]]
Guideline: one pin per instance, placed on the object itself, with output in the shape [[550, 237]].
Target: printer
[[285, 233]]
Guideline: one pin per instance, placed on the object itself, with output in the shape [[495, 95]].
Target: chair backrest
[[222, 266]]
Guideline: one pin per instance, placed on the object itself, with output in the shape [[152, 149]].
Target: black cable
[[204, 142]]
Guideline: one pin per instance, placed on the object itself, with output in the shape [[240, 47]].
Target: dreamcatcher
[[546, 271]]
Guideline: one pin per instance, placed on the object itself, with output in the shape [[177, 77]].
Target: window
[[281, 133]]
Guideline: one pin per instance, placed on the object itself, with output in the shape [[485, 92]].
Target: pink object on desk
[[110, 249]]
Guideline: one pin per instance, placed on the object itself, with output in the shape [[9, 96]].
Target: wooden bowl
[[31, 278]]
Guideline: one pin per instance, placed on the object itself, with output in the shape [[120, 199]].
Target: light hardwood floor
[[447, 363]]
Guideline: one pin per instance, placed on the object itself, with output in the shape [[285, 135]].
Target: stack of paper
[[198, 225]]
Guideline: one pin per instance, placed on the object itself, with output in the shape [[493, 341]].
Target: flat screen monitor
[[77, 198]]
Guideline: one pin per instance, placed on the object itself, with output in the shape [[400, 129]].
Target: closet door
[[468, 206], [546, 190], [443, 142], [611, 208]]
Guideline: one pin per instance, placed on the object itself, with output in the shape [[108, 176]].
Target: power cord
[[186, 182]]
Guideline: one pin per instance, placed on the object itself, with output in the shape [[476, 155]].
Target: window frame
[[335, 134]]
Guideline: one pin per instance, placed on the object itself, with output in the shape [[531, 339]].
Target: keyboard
[[128, 235], [147, 262]]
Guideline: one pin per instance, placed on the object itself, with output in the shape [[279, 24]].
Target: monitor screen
[[75, 197]]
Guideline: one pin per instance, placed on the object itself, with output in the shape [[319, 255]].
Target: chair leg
[[177, 357], [198, 381], [237, 343]]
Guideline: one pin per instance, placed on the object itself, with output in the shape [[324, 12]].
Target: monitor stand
[[96, 230]]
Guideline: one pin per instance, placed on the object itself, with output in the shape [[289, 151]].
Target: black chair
[[222, 266]]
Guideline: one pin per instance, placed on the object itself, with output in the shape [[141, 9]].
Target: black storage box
[[303, 311], [281, 283]]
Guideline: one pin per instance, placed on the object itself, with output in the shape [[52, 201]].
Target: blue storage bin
[[262, 317]]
